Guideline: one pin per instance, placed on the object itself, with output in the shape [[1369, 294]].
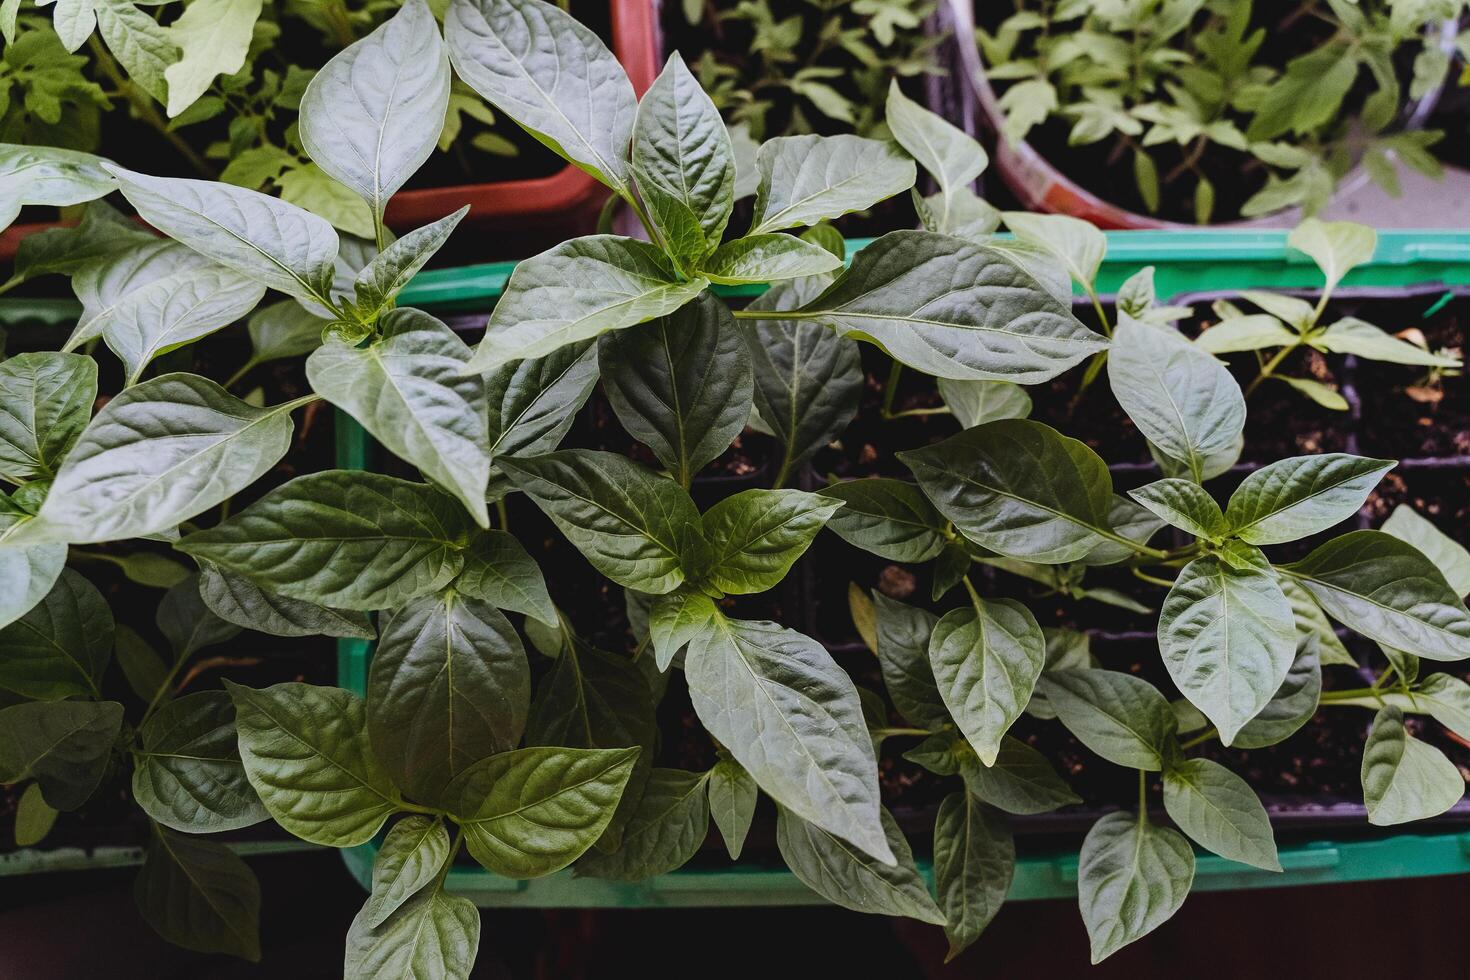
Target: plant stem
[[1269, 367], [886, 732], [503, 514], [146, 109], [1350, 694], [1102, 318], [11, 283], [974, 596], [890, 389], [1200, 739], [1151, 579], [1142, 797], [245, 369]]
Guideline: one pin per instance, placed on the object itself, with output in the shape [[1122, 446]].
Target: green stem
[[145, 108], [1351, 694], [890, 389], [1142, 797], [1097, 307], [1200, 739], [1269, 367], [1152, 579], [503, 514], [163, 688], [974, 596], [1142, 549], [245, 369], [887, 732], [11, 283]]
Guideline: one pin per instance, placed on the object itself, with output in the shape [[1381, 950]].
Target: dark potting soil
[[1408, 412]]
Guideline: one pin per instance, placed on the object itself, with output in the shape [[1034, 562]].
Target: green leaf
[[787, 713], [680, 385], [1131, 522], [306, 752], [188, 774], [890, 518], [1185, 505], [60, 647], [1018, 488], [534, 402], [27, 574], [1131, 878], [49, 176], [732, 799], [449, 685], [674, 620], [986, 660], [144, 669], [176, 310], [199, 895], [544, 69], [807, 179], [48, 399], [579, 290], [1325, 395], [141, 45], [372, 115], [410, 391], [1220, 811], [974, 862], [1077, 244], [278, 244], [1293, 704], [151, 569], [64, 746], [684, 164], [391, 269], [1404, 779], [1297, 497], [767, 258], [102, 235], [1183, 400], [1443, 552], [214, 36], [1293, 309], [188, 623], [412, 853], [667, 828], [807, 379], [34, 817], [236, 599], [632, 525], [833, 868], [533, 811], [1020, 781], [1228, 638], [1122, 718], [431, 935], [976, 402], [1353, 336], [312, 188], [948, 153], [903, 655], [1256, 331], [1336, 246], [344, 539], [1312, 621], [105, 285], [954, 309], [755, 536], [157, 454], [1388, 591], [498, 571]]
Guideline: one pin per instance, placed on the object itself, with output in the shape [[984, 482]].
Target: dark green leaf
[[974, 861], [197, 894], [65, 746], [1298, 497], [846, 876], [890, 518], [188, 773], [1131, 878], [986, 659]]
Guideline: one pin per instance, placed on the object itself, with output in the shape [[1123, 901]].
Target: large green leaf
[[787, 713], [449, 685], [534, 402], [48, 399], [410, 391], [953, 309], [140, 44], [189, 624], [682, 384], [372, 115], [767, 258], [903, 634], [1183, 504], [105, 284], [986, 659], [1293, 704], [633, 525], [890, 518], [1131, 878], [412, 853], [1019, 488], [392, 269], [732, 799], [1219, 810], [278, 244], [175, 311], [807, 379], [188, 773], [948, 153], [674, 620], [1312, 621], [60, 647], [1296, 497], [1021, 780], [431, 935], [667, 828], [684, 163], [533, 811], [974, 862], [102, 234], [199, 894], [1444, 552], [344, 539], [544, 69], [579, 290], [307, 754], [236, 599], [846, 876], [214, 38], [1388, 591], [27, 574], [1353, 336], [49, 175], [159, 454], [1183, 400], [1122, 718], [1405, 779], [1228, 638], [1075, 243], [64, 745], [755, 536], [498, 570], [976, 402], [807, 179], [1336, 246]]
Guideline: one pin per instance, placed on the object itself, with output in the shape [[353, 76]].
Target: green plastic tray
[[1184, 262]]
